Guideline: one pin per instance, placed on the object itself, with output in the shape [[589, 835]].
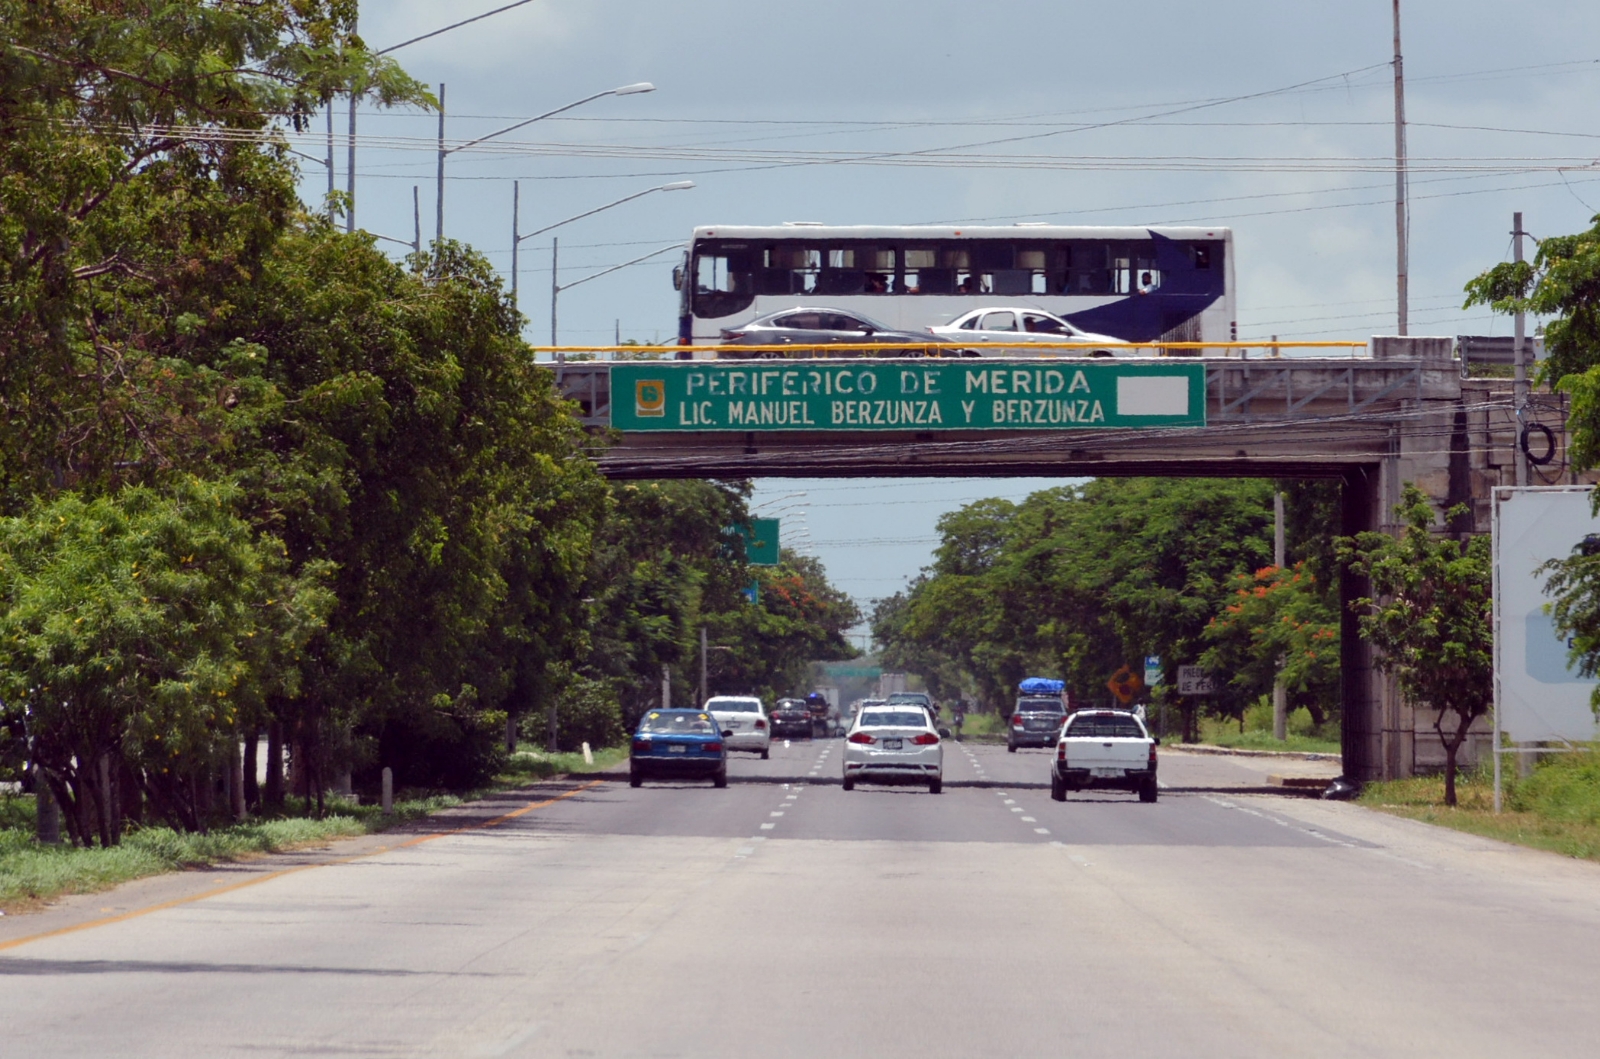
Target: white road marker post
[[588, 755]]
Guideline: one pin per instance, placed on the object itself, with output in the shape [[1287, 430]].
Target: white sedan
[[1005, 327], [891, 744], [746, 717]]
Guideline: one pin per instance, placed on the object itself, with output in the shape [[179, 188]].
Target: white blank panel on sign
[[1153, 395], [1541, 698]]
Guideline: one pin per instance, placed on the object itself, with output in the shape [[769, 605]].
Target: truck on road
[[1104, 749]]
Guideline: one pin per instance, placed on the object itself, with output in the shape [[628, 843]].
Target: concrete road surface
[[786, 917]]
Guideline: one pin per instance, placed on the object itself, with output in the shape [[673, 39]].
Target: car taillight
[[861, 737], [641, 746], [1016, 720], [713, 748], [926, 739], [1152, 756], [1061, 751], [760, 724], [729, 334]]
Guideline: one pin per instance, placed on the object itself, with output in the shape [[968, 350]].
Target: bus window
[[1033, 263]]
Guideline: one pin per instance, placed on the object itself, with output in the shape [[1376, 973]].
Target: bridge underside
[[1404, 415]]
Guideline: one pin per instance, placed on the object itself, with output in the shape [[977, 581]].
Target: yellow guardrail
[[794, 349]]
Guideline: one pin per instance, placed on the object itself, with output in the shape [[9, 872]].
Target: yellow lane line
[[218, 891]]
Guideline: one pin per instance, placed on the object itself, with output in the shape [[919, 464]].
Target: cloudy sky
[[1274, 118]]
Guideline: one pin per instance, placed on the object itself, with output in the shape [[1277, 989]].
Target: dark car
[[829, 327], [678, 744], [1035, 721], [790, 717]]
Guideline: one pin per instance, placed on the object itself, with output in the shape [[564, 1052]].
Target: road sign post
[[1193, 680]]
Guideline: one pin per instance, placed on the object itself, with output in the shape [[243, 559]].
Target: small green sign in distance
[[967, 394], [761, 547]]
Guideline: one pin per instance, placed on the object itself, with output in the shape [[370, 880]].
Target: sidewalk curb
[[1206, 748]]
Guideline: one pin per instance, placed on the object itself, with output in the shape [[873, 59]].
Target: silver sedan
[[894, 744]]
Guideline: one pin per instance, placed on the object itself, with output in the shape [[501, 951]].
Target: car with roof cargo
[[678, 744], [1009, 331], [1104, 749], [1035, 721], [744, 720], [894, 743]]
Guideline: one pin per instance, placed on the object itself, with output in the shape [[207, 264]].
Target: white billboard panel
[[1540, 698]]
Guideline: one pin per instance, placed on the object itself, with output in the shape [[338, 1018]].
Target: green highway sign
[[968, 394]]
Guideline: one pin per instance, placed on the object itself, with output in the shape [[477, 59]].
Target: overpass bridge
[[1403, 412]]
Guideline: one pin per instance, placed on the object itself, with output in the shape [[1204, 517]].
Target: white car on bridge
[[745, 717], [1008, 331]]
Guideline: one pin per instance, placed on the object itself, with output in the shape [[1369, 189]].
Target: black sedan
[[790, 717], [802, 327]]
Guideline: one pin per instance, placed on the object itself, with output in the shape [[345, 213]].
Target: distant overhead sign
[[845, 395], [760, 541]]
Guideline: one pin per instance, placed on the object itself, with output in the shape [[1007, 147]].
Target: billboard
[[1538, 697]]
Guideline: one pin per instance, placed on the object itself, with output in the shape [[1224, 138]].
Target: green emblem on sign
[[842, 395]]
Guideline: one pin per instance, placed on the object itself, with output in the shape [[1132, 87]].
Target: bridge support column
[[1362, 686]]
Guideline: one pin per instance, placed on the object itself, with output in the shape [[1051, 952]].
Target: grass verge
[[31, 874], [1555, 809], [1256, 736]]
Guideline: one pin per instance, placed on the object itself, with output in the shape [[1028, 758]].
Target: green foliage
[[663, 568], [138, 627], [1279, 620], [1430, 618], [1562, 282], [1574, 585], [137, 201], [587, 711], [1076, 582]]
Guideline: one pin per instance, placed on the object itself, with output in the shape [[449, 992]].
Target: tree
[[1279, 622], [1430, 617], [1562, 282], [134, 631], [140, 187]]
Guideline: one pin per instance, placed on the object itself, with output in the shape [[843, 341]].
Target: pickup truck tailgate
[[1093, 752]]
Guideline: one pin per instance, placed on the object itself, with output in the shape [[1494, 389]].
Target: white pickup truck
[[1104, 748]]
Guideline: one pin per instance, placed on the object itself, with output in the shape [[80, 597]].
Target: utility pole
[[416, 220], [516, 241], [666, 687], [555, 292], [1280, 695], [1519, 355], [1400, 225], [330, 160], [702, 665], [438, 231]]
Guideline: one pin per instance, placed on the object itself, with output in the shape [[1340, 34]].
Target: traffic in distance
[[899, 740], [973, 291]]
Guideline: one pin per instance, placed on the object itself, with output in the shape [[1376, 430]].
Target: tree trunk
[[252, 785], [274, 785], [1452, 747]]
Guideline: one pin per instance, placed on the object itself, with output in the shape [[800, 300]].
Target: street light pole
[[517, 237], [625, 90], [557, 288]]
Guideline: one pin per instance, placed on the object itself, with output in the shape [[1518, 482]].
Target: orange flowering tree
[[1276, 616]]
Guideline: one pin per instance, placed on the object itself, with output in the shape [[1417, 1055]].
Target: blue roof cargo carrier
[[1041, 686]]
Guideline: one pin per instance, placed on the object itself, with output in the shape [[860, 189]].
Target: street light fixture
[[516, 239], [625, 90]]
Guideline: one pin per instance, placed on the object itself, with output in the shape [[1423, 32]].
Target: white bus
[[1137, 284]]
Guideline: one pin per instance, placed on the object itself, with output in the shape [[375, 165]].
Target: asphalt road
[[786, 917]]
